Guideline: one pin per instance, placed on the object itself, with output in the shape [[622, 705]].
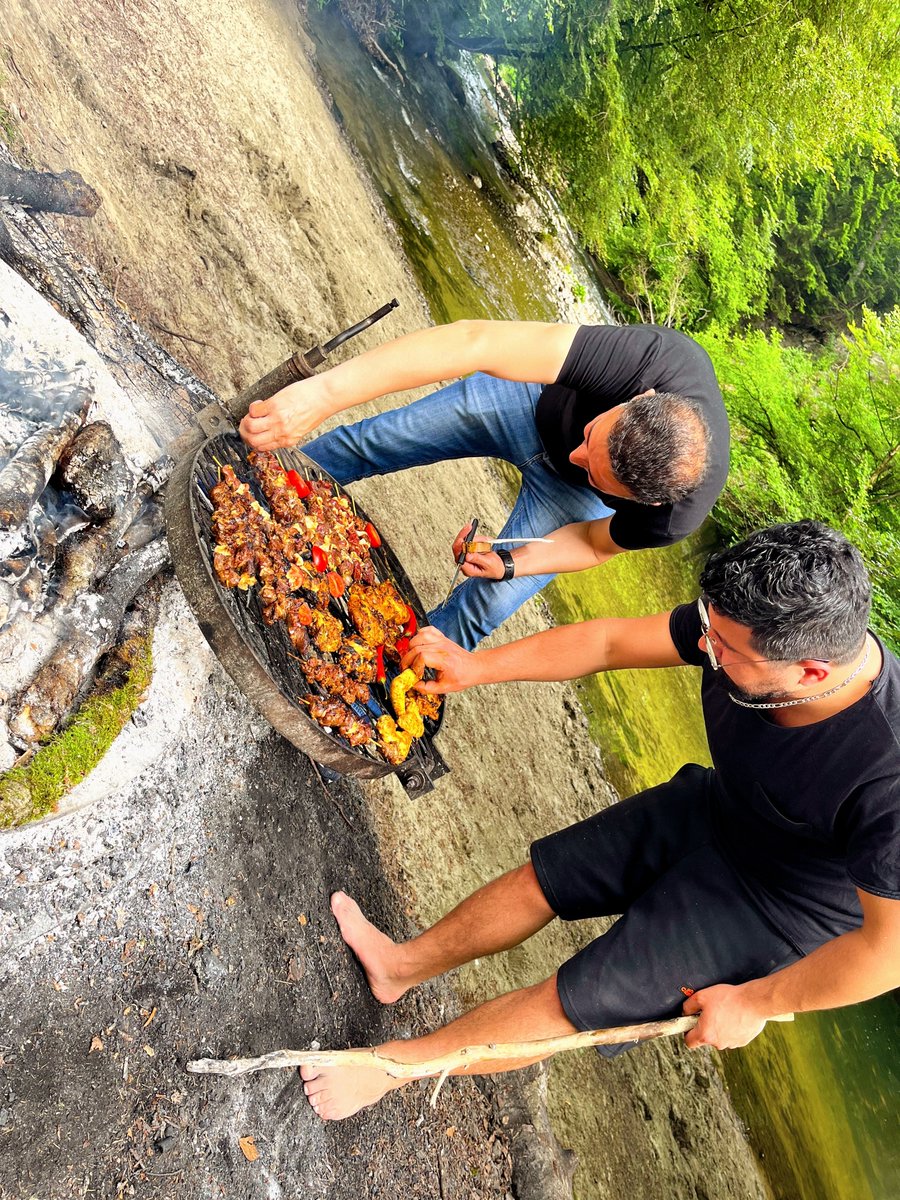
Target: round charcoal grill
[[260, 658]]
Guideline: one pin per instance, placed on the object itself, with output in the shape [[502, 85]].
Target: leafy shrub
[[818, 436]]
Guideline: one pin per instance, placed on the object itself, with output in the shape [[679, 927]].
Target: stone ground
[[187, 916]]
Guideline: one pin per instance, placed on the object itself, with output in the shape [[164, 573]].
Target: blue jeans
[[477, 417]]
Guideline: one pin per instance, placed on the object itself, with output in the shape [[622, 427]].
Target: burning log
[[26, 642], [93, 469], [95, 621], [140, 619], [88, 555], [26, 474], [43, 191]]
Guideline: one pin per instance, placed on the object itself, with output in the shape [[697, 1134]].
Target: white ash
[[42, 340]]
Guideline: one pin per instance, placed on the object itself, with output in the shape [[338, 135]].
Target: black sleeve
[[610, 360], [684, 626], [873, 839], [643, 526]]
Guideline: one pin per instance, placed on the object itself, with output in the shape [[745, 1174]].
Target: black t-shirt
[[805, 814], [608, 365]]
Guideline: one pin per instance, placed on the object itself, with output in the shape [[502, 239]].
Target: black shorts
[[688, 922]]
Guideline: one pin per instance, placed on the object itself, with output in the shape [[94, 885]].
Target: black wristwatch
[[509, 566]]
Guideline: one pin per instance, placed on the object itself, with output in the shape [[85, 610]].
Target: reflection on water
[[441, 185], [820, 1097]]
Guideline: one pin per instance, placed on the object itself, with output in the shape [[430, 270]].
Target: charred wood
[[138, 623], [95, 621], [43, 191], [93, 469], [88, 555], [26, 642], [26, 474]]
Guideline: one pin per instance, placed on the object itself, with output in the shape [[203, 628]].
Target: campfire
[[81, 534]]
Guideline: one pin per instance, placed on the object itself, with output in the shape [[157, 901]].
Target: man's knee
[[529, 889]]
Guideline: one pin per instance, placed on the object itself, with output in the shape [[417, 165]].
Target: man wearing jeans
[[619, 433]]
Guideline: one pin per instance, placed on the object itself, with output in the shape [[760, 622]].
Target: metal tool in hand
[[485, 545], [461, 558]]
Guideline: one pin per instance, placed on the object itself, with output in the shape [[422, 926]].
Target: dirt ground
[[236, 226]]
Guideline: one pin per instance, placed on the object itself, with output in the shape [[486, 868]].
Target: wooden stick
[[468, 1056]]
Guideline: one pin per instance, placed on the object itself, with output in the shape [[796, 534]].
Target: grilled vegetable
[[299, 484]]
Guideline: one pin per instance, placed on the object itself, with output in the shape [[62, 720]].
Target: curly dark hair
[[802, 589], [658, 447]]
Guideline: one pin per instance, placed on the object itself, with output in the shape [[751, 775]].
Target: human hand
[[477, 566], [728, 1019], [453, 664], [286, 417]]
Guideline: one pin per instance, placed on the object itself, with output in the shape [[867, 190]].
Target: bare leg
[[496, 917], [526, 1015]]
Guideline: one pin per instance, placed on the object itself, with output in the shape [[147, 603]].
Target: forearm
[[519, 350], [846, 970], [574, 547], [566, 652]]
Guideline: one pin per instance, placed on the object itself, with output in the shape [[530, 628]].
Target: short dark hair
[[801, 588], [658, 447]]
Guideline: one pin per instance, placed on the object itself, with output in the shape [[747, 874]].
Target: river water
[[821, 1098]]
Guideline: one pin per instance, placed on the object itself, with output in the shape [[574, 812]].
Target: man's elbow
[[474, 339], [602, 545]]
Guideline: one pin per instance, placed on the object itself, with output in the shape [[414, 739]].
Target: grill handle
[[299, 366]]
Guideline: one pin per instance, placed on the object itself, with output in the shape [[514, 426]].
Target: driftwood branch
[[457, 1060], [468, 1056]]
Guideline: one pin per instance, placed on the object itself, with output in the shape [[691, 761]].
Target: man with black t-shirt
[[767, 884], [619, 433]]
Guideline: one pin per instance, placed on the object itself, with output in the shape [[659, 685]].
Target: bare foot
[[378, 955], [339, 1092]]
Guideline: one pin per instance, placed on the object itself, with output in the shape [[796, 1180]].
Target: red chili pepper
[[402, 644], [380, 673], [299, 484], [320, 558], [411, 623], [373, 535], [336, 584]]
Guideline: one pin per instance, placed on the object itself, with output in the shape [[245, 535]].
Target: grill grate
[[270, 644]]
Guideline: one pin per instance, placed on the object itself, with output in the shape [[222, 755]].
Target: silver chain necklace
[[804, 699]]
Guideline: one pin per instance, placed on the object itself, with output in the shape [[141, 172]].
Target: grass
[[33, 790], [9, 131]]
